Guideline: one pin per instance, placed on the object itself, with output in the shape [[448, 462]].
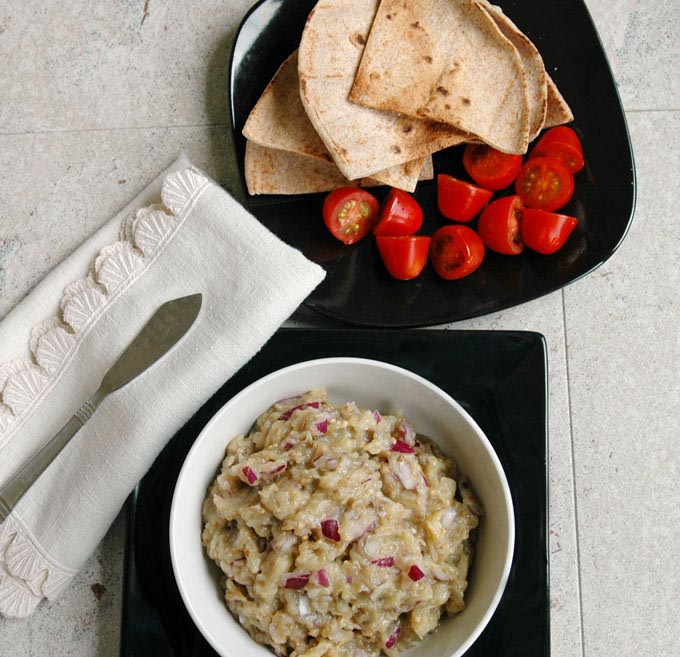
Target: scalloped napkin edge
[[118, 254]]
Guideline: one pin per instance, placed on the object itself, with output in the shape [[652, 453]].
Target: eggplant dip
[[340, 532]]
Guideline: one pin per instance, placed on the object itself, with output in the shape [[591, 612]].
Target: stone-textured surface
[[97, 98], [623, 341]]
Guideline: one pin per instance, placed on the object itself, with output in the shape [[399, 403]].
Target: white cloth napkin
[[59, 342]]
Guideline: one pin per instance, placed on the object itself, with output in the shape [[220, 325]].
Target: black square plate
[[498, 377], [357, 288]]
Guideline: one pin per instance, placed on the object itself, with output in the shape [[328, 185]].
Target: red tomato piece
[[500, 225], [544, 183], [563, 144], [546, 232], [401, 215], [460, 200], [489, 167], [350, 213], [404, 256], [456, 251]]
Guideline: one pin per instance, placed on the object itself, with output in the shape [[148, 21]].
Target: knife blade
[[165, 328]]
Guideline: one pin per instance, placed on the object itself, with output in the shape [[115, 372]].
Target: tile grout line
[[573, 475], [114, 129]]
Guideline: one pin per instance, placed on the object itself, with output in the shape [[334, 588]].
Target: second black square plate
[[498, 377]]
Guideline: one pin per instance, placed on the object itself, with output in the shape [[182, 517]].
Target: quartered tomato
[[563, 144], [400, 215], [500, 225], [456, 251], [404, 256], [350, 213], [489, 167], [459, 200], [544, 183], [546, 232]]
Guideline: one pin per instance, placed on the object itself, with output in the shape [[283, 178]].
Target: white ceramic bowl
[[371, 384]]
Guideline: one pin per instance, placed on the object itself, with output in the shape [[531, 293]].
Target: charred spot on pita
[[465, 101], [407, 128], [396, 149], [427, 58], [443, 91], [358, 39]]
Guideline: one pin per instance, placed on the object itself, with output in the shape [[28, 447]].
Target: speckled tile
[[127, 64], [640, 38], [623, 330], [56, 189], [85, 620]]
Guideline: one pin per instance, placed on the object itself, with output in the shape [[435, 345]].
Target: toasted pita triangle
[[274, 171], [279, 121], [361, 140], [558, 111], [448, 61], [537, 92]]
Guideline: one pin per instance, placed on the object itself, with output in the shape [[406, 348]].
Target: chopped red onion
[[406, 474], [329, 528], [277, 469], [349, 579], [426, 480], [327, 459], [417, 443], [367, 480], [322, 427], [401, 446], [394, 637], [250, 474], [289, 400], [304, 606], [384, 562], [322, 577], [407, 433], [415, 573], [287, 446], [377, 416], [295, 580], [290, 411]]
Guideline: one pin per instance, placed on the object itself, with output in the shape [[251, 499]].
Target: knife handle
[[14, 489]]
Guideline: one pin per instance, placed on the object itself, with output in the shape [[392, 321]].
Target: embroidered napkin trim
[[24, 383], [27, 574]]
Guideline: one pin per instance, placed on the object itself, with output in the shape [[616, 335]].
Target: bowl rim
[[173, 529]]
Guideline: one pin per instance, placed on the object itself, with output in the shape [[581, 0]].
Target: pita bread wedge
[[361, 140], [274, 171], [448, 61], [280, 121], [558, 111], [537, 91]]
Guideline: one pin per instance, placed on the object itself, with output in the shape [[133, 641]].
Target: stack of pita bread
[[377, 86]]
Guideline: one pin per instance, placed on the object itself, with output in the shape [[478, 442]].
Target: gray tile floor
[[96, 98]]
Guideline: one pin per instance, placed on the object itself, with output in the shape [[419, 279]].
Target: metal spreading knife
[[165, 328]]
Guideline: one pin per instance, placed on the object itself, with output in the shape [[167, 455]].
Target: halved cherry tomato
[[456, 251], [563, 144], [460, 200], [404, 256], [491, 168], [546, 232], [500, 225], [400, 215], [350, 213], [544, 183]]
